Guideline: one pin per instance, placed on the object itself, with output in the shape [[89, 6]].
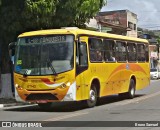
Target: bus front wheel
[[91, 102]]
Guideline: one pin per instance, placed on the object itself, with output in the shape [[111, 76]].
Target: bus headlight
[[65, 85], [18, 87], [68, 84]]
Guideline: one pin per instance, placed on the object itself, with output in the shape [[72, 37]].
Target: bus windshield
[[44, 55]]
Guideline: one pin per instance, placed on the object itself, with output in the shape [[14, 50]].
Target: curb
[[13, 104]]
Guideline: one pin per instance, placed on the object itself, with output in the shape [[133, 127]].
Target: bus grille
[[41, 96]]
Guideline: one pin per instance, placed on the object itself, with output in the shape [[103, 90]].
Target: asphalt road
[[144, 107]]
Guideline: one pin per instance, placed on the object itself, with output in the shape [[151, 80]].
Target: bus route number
[[31, 86]]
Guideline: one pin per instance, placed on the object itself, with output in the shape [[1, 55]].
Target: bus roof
[[77, 31]]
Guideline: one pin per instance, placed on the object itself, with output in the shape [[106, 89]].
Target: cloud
[[148, 11]]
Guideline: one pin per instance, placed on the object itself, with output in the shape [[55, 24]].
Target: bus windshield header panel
[[44, 55]]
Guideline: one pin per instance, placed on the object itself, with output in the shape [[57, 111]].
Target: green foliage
[[75, 12], [38, 13], [25, 15], [158, 40], [17, 16], [87, 9]]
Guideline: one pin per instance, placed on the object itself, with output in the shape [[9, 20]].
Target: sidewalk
[[10, 102]]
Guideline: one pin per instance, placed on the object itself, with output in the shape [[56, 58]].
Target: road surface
[[144, 107]]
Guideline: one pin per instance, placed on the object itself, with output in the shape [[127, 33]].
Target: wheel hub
[[92, 95], [132, 91]]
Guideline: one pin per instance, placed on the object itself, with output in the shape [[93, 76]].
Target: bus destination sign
[[48, 39]]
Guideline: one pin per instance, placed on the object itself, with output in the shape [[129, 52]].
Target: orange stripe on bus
[[133, 67]]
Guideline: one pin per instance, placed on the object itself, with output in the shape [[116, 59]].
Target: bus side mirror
[[11, 48]]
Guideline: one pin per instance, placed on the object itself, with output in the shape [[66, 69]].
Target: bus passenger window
[[141, 52], [92, 55], [109, 50], [99, 56], [131, 52], [95, 50], [121, 51]]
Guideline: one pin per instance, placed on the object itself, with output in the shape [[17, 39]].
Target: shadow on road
[[69, 106], [113, 99]]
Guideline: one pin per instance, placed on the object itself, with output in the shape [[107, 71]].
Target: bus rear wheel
[[91, 102], [132, 89], [131, 92]]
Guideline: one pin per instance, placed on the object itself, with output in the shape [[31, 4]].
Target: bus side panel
[[118, 78], [80, 85], [84, 81], [110, 78], [120, 75], [143, 76], [139, 71], [100, 72], [96, 71]]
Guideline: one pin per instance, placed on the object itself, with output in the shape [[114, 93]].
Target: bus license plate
[[41, 101]]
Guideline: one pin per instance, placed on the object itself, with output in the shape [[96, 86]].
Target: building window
[[131, 25], [135, 27]]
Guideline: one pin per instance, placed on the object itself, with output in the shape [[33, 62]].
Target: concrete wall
[[92, 23], [122, 18], [131, 24]]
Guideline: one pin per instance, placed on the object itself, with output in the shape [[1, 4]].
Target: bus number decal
[[31, 86]]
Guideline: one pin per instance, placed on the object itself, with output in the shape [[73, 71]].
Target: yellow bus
[[75, 64]]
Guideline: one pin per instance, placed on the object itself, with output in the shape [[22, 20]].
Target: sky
[[148, 11]]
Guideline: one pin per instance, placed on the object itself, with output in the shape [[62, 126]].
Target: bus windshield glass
[[44, 55]]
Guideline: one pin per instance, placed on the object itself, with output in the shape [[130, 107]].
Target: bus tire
[[91, 102], [45, 106], [131, 92]]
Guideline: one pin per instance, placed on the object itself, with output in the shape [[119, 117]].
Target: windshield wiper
[[51, 66], [25, 73]]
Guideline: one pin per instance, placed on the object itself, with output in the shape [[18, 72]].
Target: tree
[[19, 16], [158, 40], [75, 12]]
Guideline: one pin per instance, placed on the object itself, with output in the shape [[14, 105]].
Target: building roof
[[110, 12]]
